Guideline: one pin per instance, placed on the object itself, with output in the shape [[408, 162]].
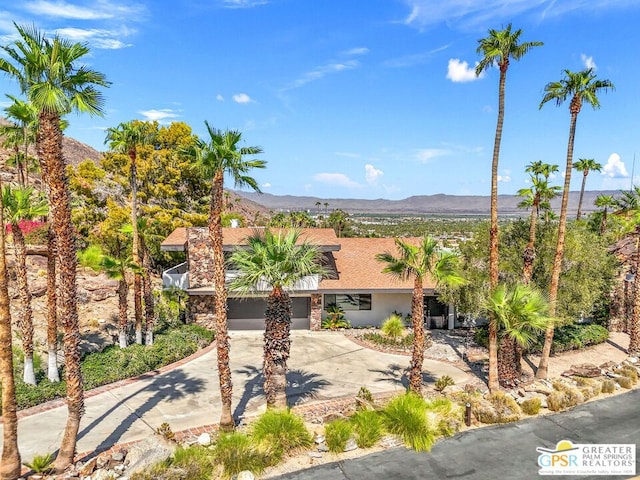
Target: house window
[[349, 302]]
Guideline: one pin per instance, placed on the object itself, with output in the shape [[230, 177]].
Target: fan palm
[[219, 156], [585, 165], [498, 48], [275, 261], [605, 202], [25, 117], [581, 87], [23, 203], [54, 79], [420, 262], [520, 314]]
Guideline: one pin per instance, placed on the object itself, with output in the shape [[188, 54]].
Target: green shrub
[[531, 406], [165, 430], [444, 414], [337, 433], [624, 382], [281, 431], [367, 425], [335, 318], [196, 461], [236, 452], [365, 394], [393, 327], [443, 382], [608, 386], [402, 343], [499, 407], [405, 416], [41, 463]]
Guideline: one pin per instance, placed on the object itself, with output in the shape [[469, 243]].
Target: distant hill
[[439, 204]]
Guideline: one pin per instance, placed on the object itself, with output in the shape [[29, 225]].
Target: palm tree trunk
[[529, 255], [417, 319], [634, 323], [584, 182], [135, 250], [508, 362], [220, 301], [603, 223], [277, 345], [147, 292], [493, 233], [52, 318], [543, 366], [25, 320], [123, 292], [10, 462], [50, 146]]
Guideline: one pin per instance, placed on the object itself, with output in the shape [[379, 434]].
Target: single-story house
[[357, 283]]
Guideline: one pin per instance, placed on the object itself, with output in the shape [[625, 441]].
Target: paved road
[[503, 452], [323, 365]]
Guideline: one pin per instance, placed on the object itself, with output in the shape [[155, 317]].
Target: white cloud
[[243, 3], [487, 109], [158, 115], [219, 98], [241, 98], [588, 61], [504, 178], [356, 51], [459, 71], [99, 10], [615, 167], [347, 154], [336, 179], [98, 38], [372, 174], [321, 72], [413, 59], [266, 185], [425, 154]]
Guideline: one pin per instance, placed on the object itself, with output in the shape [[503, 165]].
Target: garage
[[248, 313]]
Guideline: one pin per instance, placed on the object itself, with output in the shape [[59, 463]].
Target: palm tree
[[127, 138], [419, 262], [275, 261], [585, 165], [498, 49], [520, 314], [10, 462], [25, 116], [219, 156], [52, 314], [581, 87], [23, 203], [535, 197], [605, 202], [54, 78]]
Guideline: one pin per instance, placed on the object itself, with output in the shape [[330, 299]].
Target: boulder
[[351, 445], [204, 439], [149, 452], [588, 370], [539, 387], [88, 468], [245, 475]]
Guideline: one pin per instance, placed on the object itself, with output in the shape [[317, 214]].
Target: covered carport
[[248, 313]]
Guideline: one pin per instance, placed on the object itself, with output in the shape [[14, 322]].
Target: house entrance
[[436, 313]]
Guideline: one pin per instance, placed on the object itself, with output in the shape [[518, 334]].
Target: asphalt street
[[500, 452]]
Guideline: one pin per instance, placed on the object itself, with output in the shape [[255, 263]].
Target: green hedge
[[567, 337], [114, 363]]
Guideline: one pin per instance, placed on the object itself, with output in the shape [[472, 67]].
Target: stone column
[[201, 311], [315, 320]]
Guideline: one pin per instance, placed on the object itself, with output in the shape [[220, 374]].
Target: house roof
[[358, 269], [232, 237]]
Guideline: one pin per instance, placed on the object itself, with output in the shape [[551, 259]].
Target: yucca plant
[[443, 382], [41, 463], [405, 416]]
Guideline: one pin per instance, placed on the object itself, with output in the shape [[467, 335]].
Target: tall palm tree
[[52, 304], [520, 314], [535, 197], [498, 48], [25, 117], [10, 462], [23, 203], [420, 262], [218, 157], [605, 202], [54, 78], [585, 165], [127, 138], [580, 87], [276, 261]]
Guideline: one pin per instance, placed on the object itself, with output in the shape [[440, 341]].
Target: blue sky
[[362, 99]]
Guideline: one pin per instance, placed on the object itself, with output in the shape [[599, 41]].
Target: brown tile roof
[[359, 270], [325, 237]]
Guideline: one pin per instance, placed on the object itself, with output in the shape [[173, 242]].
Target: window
[[349, 302]]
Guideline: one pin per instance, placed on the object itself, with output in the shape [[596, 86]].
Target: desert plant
[[624, 382], [588, 387], [531, 406], [236, 452], [393, 327], [41, 463], [628, 371], [405, 416], [364, 399], [165, 431], [335, 318], [445, 414], [564, 396], [443, 382], [337, 433], [608, 386], [367, 425], [498, 408], [281, 431]]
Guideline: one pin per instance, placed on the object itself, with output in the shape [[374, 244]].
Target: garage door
[[248, 314]]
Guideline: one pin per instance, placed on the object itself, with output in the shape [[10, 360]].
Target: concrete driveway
[[323, 365]]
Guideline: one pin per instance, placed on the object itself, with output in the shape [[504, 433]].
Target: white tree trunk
[[29, 374], [139, 336], [52, 370], [149, 339], [122, 339]]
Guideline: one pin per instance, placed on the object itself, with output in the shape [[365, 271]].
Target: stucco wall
[[382, 306]]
